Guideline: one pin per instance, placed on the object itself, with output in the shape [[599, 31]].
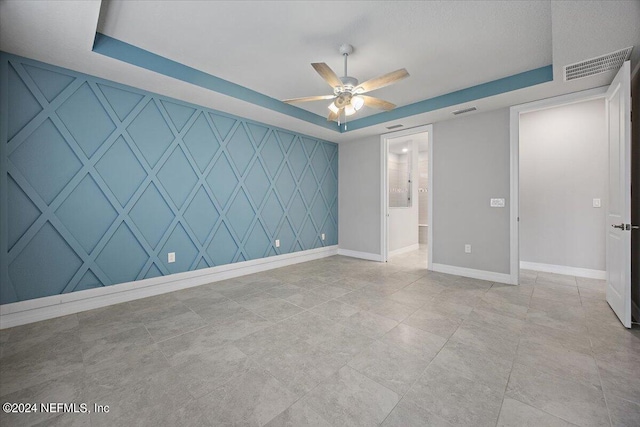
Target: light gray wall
[[359, 195], [563, 167], [471, 166]]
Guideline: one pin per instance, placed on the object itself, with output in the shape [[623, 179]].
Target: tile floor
[[339, 342]]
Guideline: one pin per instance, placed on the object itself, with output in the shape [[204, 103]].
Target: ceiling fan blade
[[333, 116], [327, 74], [308, 98], [378, 103], [382, 81]]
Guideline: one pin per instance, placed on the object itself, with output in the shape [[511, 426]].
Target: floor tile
[[306, 299], [40, 363], [408, 414], [114, 346], [623, 413], [335, 310], [369, 324], [349, 398], [390, 366], [455, 398], [417, 341], [573, 401], [207, 371], [67, 388], [99, 323], [173, 325], [434, 323], [298, 415], [517, 414], [253, 399]]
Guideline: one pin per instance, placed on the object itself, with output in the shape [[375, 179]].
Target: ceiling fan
[[348, 92]]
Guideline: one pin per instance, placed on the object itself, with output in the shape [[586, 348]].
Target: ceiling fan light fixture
[[333, 108], [349, 110], [357, 102]]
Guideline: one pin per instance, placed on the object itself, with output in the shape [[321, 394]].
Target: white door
[[619, 210]]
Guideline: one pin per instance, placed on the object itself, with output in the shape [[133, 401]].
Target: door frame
[[514, 141], [384, 190]]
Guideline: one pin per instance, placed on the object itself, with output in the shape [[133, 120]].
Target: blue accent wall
[[99, 181]]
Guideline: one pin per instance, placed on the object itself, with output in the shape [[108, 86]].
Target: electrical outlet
[[277, 243], [171, 257], [597, 203], [467, 249], [322, 236], [497, 203]]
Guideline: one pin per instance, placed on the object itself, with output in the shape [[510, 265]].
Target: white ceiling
[[267, 46]]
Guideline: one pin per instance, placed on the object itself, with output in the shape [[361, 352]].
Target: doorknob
[[627, 227]]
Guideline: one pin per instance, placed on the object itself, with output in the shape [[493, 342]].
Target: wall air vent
[[601, 64], [464, 110], [394, 127]]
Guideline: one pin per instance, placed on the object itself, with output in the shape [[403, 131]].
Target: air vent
[[601, 64], [394, 127], [465, 110]]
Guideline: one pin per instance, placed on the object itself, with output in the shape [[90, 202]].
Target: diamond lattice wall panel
[[103, 181]]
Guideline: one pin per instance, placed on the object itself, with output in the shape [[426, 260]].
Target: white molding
[[406, 249], [35, 310], [384, 193], [362, 255], [474, 274], [563, 269], [514, 163]]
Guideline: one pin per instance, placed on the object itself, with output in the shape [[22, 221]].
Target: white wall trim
[[23, 312], [563, 269], [362, 255], [474, 274], [384, 192], [514, 167], [406, 249]]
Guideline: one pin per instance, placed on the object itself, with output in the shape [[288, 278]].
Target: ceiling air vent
[[464, 110], [394, 127], [601, 64]]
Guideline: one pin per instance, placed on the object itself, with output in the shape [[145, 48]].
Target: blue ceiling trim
[[484, 90], [131, 54]]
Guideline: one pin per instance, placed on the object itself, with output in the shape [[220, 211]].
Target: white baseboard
[[409, 248], [362, 255], [563, 269], [473, 273], [35, 310]]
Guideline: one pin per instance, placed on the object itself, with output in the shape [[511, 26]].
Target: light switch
[[597, 203], [497, 203]]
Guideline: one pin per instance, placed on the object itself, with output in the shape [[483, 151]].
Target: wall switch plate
[[497, 203], [467, 249], [597, 203], [277, 243], [171, 257], [322, 236]]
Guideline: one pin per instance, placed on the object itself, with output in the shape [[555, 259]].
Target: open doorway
[[585, 134], [406, 196]]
